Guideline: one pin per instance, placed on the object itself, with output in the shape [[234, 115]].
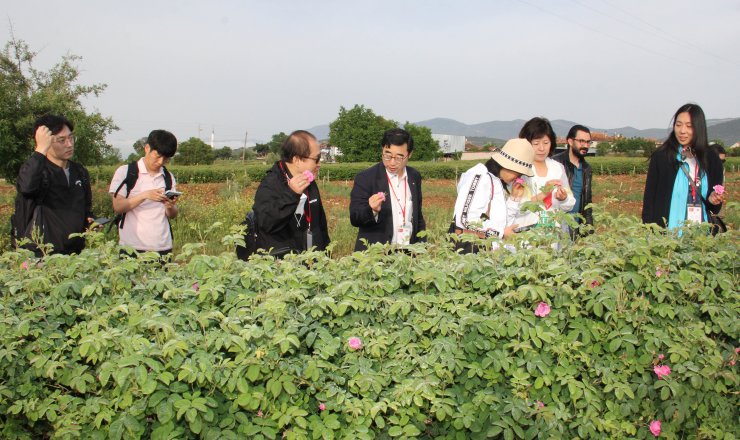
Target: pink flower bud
[[322, 407], [737, 350], [25, 265], [259, 413], [309, 176], [662, 371], [196, 286], [542, 310], [540, 405], [594, 284], [354, 343], [719, 189], [655, 427], [658, 273], [661, 356]]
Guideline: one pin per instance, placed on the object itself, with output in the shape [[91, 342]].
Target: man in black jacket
[[54, 194], [289, 216], [385, 203], [578, 172]]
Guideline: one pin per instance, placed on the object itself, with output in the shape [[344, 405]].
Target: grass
[[209, 210]]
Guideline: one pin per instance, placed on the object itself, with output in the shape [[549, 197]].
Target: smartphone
[[523, 228], [171, 194], [101, 220]]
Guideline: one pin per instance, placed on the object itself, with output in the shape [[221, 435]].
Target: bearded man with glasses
[[579, 174], [385, 203]]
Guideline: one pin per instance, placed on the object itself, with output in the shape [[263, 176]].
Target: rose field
[[630, 332]]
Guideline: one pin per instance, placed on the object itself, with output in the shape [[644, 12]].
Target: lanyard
[[405, 195], [308, 199], [695, 183]]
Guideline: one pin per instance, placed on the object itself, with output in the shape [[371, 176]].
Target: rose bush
[[95, 346]]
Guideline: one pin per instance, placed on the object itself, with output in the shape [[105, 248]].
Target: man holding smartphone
[[145, 197]]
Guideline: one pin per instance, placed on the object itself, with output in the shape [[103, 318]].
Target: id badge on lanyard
[[403, 234], [693, 209], [693, 213]]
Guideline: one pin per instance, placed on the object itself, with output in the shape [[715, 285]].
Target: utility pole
[[244, 150]]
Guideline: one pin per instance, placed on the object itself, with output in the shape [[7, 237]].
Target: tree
[[194, 152], [425, 147], [27, 93], [602, 148], [224, 153], [358, 132], [634, 146], [139, 146]]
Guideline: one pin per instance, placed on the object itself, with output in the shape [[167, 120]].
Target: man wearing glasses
[[578, 172], [288, 213], [385, 203], [54, 195]]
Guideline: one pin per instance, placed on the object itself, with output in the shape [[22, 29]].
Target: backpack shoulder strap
[[132, 175], [167, 179]]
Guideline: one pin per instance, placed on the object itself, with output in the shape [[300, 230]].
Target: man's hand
[[155, 195], [43, 139], [298, 183], [509, 230], [376, 201]]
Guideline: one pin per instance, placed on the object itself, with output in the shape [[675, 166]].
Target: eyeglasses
[[316, 159], [63, 139], [583, 141], [391, 158]]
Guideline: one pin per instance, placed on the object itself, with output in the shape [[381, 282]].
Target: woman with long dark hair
[[683, 173]]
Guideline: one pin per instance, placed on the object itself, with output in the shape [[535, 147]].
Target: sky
[[236, 67]]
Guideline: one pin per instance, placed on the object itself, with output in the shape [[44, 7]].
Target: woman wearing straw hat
[[481, 206]]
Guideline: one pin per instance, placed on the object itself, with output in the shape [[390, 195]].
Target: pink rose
[[540, 405], [309, 176], [737, 350], [655, 427], [354, 343], [719, 189], [196, 286], [381, 195], [732, 362], [322, 407], [519, 181], [259, 413], [661, 356], [662, 371], [658, 273], [24, 265], [542, 310], [594, 284]]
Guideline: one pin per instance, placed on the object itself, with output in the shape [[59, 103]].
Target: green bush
[[255, 171], [95, 346]]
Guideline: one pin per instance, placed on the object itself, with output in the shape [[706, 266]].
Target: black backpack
[[132, 175], [250, 238]]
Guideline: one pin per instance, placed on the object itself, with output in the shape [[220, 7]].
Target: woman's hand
[[716, 199]]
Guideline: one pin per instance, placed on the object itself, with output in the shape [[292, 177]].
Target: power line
[[660, 32], [613, 37]]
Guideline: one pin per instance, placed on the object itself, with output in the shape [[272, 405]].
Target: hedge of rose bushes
[[631, 333]]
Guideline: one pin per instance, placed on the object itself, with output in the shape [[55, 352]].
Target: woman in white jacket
[[481, 206], [549, 185]]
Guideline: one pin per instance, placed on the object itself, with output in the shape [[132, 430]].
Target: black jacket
[[662, 171], [277, 226], [570, 170], [372, 181], [64, 207]]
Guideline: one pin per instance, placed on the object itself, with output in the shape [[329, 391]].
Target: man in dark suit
[[385, 203]]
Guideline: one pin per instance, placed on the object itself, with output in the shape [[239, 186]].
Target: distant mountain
[[728, 129], [728, 132]]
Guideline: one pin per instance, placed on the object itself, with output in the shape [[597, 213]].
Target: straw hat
[[516, 155]]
